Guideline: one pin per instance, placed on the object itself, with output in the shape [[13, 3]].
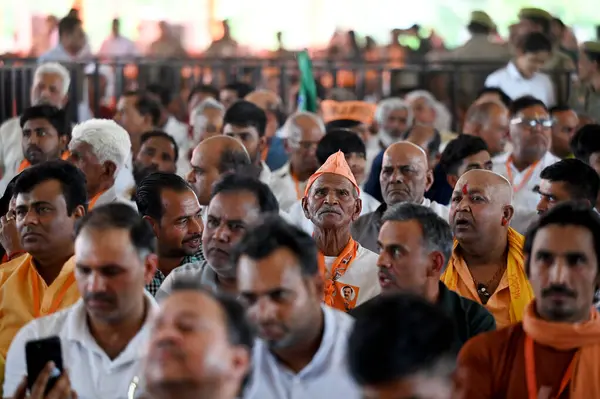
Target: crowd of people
[[358, 251]]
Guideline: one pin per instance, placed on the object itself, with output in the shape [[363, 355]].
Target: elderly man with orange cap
[[331, 202]]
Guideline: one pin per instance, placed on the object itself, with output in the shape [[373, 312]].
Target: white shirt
[[92, 373], [124, 182], [284, 187], [110, 196], [525, 198], [177, 130], [325, 377], [515, 85], [439, 209], [297, 218], [265, 173], [118, 47], [11, 152], [197, 271]]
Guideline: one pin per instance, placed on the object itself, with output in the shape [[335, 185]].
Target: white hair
[[443, 118], [290, 128], [54, 68], [198, 110], [418, 94], [109, 141], [385, 107]]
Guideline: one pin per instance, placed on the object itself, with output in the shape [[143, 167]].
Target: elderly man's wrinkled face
[[207, 124], [396, 122], [404, 175], [332, 202], [531, 132], [302, 146], [47, 88], [424, 113]]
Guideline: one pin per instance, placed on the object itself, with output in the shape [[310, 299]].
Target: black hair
[[159, 133], [145, 105], [202, 88], [233, 160], [234, 183], [565, 214], [560, 108], [541, 21], [72, 181], [535, 42], [476, 28], [243, 113], [341, 124], [458, 149], [342, 140], [559, 22], [55, 116], [241, 89], [436, 233], [593, 56], [582, 182], [7, 196], [524, 102], [399, 335], [68, 25], [162, 92], [149, 190], [120, 216], [585, 142], [273, 233], [504, 98]]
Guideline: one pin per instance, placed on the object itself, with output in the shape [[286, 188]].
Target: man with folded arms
[[50, 197], [104, 333], [487, 263], [331, 202], [555, 351], [415, 247], [302, 348]]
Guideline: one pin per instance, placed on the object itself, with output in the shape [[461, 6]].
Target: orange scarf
[[93, 201], [340, 266], [585, 382], [25, 163]]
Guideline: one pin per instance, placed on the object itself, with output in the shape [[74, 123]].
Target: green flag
[[307, 94]]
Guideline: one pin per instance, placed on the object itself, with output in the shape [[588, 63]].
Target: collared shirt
[[198, 271], [515, 85], [525, 200], [325, 377], [118, 47], [24, 295], [59, 54], [92, 373], [11, 152], [297, 218], [286, 190], [159, 276], [366, 228]]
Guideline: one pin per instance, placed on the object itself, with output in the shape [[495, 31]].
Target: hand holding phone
[[60, 390], [38, 354]]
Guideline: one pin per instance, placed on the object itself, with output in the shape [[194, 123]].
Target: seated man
[[568, 180], [237, 203], [490, 122], [50, 197], [213, 361], [46, 135], [402, 346], [170, 205], [331, 202], [355, 152], [405, 177], [462, 154], [103, 334], [424, 241], [565, 126], [487, 263], [303, 343], [555, 351], [100, 148], [585, 145], [158, 153], [206, 119]]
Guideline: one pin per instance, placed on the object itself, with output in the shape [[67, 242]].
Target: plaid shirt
[[159, 277]]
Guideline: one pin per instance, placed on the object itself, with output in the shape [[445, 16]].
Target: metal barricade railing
[[373, 80]]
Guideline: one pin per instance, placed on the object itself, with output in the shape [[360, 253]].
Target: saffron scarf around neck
[[520, 290], [584, 336], [25, 163], [340, 266]]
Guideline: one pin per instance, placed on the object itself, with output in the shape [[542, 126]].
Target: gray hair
[[290, 129], [387, 106], [480, 113], [437, 235], [54, 68], [209, 103]]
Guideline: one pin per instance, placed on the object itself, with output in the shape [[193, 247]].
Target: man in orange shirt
[[487, 260], [555, 351], [46, 135], [50, 197]]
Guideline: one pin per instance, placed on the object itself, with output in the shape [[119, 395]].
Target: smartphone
[[38, 353]]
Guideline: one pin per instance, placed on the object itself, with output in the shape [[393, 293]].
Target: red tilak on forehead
[[465, 189]]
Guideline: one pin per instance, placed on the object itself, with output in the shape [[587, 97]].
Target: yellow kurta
[[514, 292], [25, 296]]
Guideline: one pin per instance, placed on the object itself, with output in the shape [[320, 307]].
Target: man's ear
[[153, 223], [508, 212], [79, 212], [109, 169], [305, 207], [429, 179], [150, 266], [437, 263], [452, 180], [63, 142], [262, 144], [357, 209]]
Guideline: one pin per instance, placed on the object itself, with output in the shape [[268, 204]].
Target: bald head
[[490, 121], [211, 159], [405, 174], [503, 191], [303, 131], [264, 99]]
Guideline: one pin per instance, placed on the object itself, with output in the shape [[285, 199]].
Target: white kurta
[[11, 152], [296, 214], [284, 187], [525, 199]]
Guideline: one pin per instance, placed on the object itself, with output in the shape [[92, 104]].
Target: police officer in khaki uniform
[[585, 96]]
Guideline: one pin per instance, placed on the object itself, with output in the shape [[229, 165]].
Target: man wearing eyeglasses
[[564, 128], [531, 136]]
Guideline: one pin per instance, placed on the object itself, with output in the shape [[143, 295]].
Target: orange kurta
[[25, 296]]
